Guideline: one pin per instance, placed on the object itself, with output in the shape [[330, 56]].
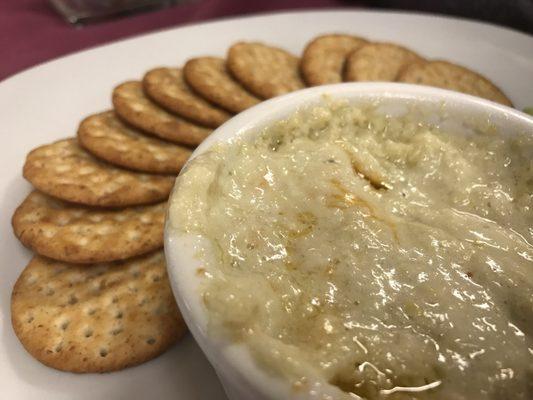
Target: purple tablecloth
[[32, 32]]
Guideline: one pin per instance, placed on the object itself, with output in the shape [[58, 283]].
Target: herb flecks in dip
[[388, 258]]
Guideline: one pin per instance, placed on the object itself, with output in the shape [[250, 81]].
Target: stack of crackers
[[96, 296]]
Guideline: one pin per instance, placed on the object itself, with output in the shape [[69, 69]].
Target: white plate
[[47, 103]]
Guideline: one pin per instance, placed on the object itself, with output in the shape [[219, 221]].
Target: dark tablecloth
[[32, 32]]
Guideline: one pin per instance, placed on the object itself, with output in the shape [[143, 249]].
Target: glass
[[83, 11]]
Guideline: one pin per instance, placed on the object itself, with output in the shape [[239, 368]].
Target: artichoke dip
[[384, 257]]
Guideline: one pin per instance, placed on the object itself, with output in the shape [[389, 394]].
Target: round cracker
[[167, 87], [71, 233], [95, 319], [66, 171], [446, 75], [108, 138], [266, 71], [324, 58], [209, 78], [378, 62], [132, 105]]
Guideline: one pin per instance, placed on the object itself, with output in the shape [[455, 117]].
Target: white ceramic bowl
[[241, 378]]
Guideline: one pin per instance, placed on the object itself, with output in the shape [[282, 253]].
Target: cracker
[[324, 58], [266, 71], [446, 75], [209, 78], [101, 318], [378, 62], [71, 233], [66, 171], [167, 87], [108, 138], [132, 105]]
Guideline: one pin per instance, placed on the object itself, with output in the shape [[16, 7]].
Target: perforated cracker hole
[[96, 286], [119, 315], [91, 311], [72, 299], [30, 319], [97, 179], [160, 156], [59, 270], [121, 179], [120, 217], [62, 220], [58, 348], [161, 309], [75, 278], [135, 271], [116, 331], [49, 233], [133, 235], [150, 341], [86, 170], [146, 219], [88, 332], [156, 278], [103, 352], [104, 229], [95, 218], [143, 301], [62, 168], [64, 325], [49, 291], [122, 147]]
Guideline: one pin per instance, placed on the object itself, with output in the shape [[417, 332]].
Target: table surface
[[32, 32]]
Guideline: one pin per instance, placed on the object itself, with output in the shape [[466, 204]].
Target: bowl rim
[[231, 365], [241, 122]]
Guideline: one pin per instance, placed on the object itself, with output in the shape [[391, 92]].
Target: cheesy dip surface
[[381, 256]]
